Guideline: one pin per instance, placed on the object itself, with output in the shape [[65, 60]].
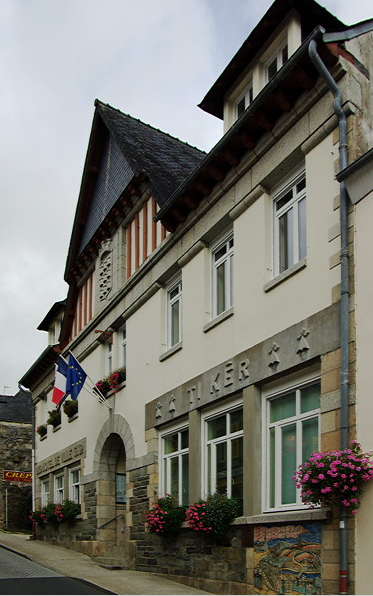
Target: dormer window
[[276, 61], [243, 101]]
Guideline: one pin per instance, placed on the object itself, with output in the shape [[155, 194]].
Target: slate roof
[[166, 161], [122, 147], [16, 408]]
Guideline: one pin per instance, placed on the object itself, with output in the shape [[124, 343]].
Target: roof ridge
[[107, 105]]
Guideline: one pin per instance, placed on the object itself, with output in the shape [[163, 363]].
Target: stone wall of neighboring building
[[15, 455]]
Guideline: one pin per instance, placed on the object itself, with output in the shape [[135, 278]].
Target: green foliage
[[55, 513], [165, 517], [54, 418], [213, 515], [70, 407]]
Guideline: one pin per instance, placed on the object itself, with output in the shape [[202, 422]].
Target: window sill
[[56, 428], [219, 319], [280, 517], [171, 351], [115, 389], [43, 437], [284, 275], [72, 418]]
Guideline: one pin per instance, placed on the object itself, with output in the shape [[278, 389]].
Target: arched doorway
[[114, 448]]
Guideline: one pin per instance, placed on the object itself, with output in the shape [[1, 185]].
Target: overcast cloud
[[153, 59]]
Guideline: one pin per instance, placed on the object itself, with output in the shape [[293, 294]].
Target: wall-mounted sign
[[13, 476]]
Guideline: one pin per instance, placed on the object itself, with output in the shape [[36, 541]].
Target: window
[[108, 357], [58, 489], [174, 313], [45, 493], [224, 453], [292, 434], [123, 347], [276, 61], [222, 276], [120, 488], [243, 101], [290, 242], [75, 485], [175, 465]]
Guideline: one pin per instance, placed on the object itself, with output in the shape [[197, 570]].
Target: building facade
[[218, 285]]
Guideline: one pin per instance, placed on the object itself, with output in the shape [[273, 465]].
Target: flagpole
[[94, 389], [97, 395]]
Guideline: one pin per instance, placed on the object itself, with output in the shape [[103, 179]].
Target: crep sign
[[13, 476]]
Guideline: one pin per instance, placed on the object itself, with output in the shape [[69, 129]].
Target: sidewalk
[[74, 564]]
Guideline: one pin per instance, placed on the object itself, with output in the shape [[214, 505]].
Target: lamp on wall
[[106, 336]]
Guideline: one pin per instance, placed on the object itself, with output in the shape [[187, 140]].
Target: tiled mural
[[287, 559]]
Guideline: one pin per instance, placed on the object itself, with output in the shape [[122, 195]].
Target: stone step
[[111, 562]]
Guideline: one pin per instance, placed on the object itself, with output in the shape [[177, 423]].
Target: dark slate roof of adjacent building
[[16, 408], [166, 161]]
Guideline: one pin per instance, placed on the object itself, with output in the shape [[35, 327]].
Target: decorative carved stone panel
[[105, 269]]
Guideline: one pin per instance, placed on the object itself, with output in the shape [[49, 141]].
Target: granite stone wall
[[15, 454]]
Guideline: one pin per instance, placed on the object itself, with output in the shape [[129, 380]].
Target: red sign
[[13, 476]]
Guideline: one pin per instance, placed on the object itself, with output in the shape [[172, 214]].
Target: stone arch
[[114, 445], [116, 424]]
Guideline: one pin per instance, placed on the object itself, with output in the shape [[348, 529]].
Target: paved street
[[19, 575], [62, 563]]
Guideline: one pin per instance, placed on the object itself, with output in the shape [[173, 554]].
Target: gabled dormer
[[269, 46], [131, 170], [52, 322]]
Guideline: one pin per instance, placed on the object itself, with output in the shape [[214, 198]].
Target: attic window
[[243, 101], [276, 61]]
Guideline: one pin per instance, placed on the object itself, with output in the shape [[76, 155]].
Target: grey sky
[[153, 59]]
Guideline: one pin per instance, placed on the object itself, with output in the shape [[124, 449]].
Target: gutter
[[345, 298]]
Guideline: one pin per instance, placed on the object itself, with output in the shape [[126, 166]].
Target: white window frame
[[278, 56], [165, 461], [123, 347], [45, 493], [296, 237], [209, 485], [247, 96], [174, 296], [227, 262], [108, 347], [59, 491], [75, 486], [273, 391]]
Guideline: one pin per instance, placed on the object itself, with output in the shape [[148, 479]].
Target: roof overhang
[[40, 367]]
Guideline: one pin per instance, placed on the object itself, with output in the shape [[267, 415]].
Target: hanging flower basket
[[42, 430], [54, 418], [70, 407], [335, 477], [112, 381]]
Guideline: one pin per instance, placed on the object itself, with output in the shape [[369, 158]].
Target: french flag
[[60, 379]]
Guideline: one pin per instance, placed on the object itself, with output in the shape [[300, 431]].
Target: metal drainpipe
[[344, 305]]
